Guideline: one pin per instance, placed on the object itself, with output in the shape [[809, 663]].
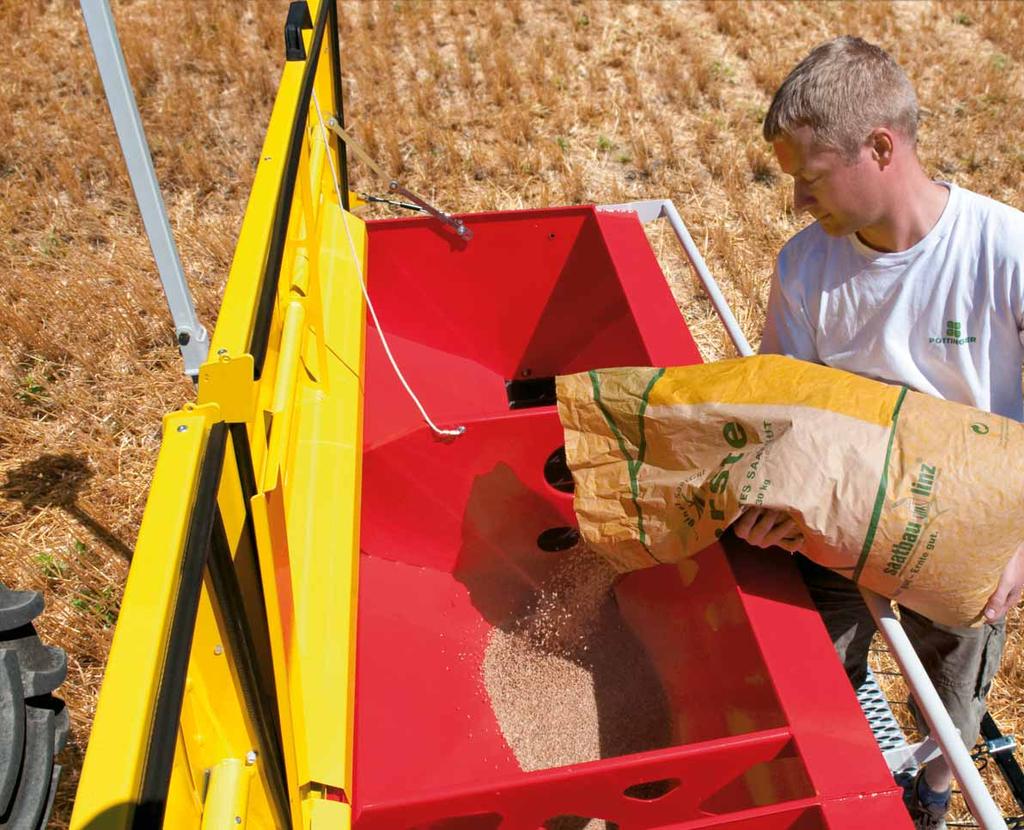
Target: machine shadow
[[53, 480]]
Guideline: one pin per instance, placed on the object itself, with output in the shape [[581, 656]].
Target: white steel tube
[[941, 727], [192, 338], [652, 209], [714, 293]]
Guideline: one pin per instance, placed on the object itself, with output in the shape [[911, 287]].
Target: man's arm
[[1009, 589], [1011, 582]]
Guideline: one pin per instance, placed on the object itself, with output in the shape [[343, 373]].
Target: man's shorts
[[961, 662]]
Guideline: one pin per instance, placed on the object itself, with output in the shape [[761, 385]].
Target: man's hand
[[768, 528], [1008, 591]]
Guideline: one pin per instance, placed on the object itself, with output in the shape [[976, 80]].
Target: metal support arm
[[940, 725], [191, 336]]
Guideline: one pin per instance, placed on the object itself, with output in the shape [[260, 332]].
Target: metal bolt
[[238, 819], [222, 351], [183, 428], [250, 757], [218, 649]]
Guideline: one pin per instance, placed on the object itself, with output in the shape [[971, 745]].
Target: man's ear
[[881, 142]]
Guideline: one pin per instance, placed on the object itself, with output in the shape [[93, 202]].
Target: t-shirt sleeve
[[1019, 300], [787, 329]]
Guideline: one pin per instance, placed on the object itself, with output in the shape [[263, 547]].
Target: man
[[905, 280]]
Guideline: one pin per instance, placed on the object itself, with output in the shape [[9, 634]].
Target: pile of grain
[[567, 679]]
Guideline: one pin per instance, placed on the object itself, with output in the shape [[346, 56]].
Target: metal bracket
[[912, 756], [229, 383], [368, 197], [297, 20], [997, 746], [393, 185], [452, 221]]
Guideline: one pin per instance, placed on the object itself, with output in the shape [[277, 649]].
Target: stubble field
[[477, 106]]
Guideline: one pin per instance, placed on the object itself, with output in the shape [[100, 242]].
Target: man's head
[[844, 125]]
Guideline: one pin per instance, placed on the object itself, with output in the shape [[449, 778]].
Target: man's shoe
[[926, 816]]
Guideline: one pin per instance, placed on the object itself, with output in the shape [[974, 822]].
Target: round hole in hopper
[[558, 538]]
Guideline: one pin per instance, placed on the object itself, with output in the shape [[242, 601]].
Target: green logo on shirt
[[954, 335]]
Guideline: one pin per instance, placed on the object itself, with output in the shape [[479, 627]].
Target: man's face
[[836, 191]]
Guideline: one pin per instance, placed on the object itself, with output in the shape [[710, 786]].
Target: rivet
[[218, 649], [250, 757], [183, 428], [222, 351]]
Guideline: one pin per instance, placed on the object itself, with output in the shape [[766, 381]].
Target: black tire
[[33, 723]]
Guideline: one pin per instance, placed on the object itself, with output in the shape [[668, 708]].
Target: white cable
[[453, 433]]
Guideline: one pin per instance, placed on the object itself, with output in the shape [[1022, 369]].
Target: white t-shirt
[[945, 317]]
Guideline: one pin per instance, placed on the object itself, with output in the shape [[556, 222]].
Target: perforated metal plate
[[887, 731]]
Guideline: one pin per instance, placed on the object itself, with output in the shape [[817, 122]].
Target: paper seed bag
[[919, 499]]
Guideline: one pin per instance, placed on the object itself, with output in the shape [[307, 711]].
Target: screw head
[[250, 757], [218, 649], [183, 428], [222, 350]]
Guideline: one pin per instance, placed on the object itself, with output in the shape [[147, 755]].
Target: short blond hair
[[842, 90]]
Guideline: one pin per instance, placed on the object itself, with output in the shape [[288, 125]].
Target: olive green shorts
[[961, 662]]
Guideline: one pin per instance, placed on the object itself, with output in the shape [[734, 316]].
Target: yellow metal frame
[[303, 419]]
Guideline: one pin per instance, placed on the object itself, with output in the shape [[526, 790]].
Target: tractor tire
[[33, 723]]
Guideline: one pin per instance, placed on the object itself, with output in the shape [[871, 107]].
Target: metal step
[[887, 731]]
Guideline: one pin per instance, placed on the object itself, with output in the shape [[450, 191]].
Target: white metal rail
[[943, 732], [190, 333]]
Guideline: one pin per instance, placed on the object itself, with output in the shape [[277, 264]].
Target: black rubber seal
[[334, 50], [156, 777], [282, 211], [260, 701]]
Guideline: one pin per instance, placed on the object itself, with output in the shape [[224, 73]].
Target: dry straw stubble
[[603, 102]]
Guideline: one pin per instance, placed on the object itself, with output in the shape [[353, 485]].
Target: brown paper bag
[[919, 499]]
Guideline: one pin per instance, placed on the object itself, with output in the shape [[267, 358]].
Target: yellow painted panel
[[238, 308], [343, 302], [329, 815], [323, 524], [272, 544], [113, 767], [303, 420]]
